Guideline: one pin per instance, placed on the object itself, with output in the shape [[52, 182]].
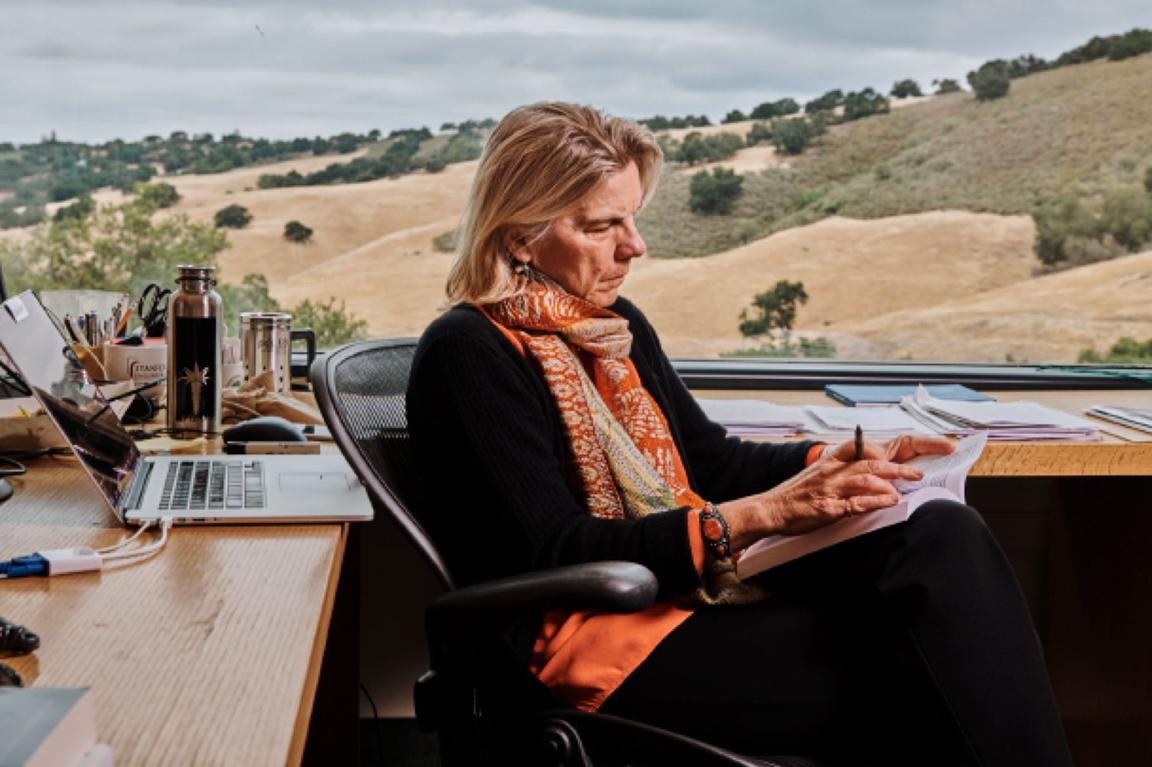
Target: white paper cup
[[139, 364]]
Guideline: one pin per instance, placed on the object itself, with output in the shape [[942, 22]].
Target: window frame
[[752, 373]]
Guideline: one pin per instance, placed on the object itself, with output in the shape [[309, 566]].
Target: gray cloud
[[98, 69]]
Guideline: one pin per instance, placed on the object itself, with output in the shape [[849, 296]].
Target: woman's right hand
[[826, 491]]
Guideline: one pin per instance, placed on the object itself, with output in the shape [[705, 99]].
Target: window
[[880, 184]]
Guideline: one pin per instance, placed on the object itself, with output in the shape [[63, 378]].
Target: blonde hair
[[539, 162]]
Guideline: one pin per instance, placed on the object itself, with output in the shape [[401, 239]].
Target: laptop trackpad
[[315, 482]]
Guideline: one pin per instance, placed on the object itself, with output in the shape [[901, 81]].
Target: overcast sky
[[93, 70]]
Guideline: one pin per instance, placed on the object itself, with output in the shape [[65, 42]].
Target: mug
[[139, 364], [266, 342]]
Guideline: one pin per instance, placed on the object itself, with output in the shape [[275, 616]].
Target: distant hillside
[[35, 176], [1087, 126]]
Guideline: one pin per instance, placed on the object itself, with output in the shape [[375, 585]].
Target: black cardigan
[[499, 496]]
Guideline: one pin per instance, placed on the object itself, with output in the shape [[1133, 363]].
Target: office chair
[[486, 707]]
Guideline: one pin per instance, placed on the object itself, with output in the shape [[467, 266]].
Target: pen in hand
[[859, 443]]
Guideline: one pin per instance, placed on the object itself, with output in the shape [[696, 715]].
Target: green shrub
[[757, 133], [233, 217], [734, 116], [991, 80], [660, 122], [158, 195], [773, 310], [697, 149], [905, 88], [779, 108], [1125, 351], [1132, 43], [1127, 216], [82, 208], [947, 85], [330, 320], [446, 242], [714, 193], [791, 136], [819, 347], [825, 103], [864, 104], [297, 232], [1059, 220]]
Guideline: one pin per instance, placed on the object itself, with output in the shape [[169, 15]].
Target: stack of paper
[[1132, 417], [755, 418], [871, 395], [1017, 421], [878, 423]]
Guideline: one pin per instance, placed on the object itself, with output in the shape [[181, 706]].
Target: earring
[[521, 268]]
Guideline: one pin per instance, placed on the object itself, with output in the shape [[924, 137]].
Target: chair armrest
[[620, 587]]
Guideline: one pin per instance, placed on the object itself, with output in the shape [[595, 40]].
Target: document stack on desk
[[1008, 421], [879, 423], [1132, 417], [873, 395], [755, 418]]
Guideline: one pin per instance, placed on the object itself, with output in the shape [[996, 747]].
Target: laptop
[[210, 489]]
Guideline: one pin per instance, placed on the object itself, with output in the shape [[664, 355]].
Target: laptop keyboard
[[213, 484]]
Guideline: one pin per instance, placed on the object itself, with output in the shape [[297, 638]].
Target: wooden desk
[[208, 653]]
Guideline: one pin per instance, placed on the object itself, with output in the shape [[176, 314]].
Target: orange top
[[584, 656]]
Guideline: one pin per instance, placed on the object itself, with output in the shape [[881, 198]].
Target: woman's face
[[588, 249]]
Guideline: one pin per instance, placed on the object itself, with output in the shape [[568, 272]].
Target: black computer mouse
[[266, 428]]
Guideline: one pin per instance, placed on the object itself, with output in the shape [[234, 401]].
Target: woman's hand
[[828, 490], [899, 450]]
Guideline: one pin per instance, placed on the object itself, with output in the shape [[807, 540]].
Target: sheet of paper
[[947, 471], [1015, 421], [756, 418], [874, 421]]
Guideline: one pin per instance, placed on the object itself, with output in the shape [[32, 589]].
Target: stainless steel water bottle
[[195, 334]]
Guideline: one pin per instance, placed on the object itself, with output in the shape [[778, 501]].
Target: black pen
[[859, 443]]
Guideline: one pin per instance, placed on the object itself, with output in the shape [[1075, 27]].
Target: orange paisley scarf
[[623, 453]]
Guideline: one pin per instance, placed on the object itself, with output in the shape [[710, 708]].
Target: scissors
[[152, 309]]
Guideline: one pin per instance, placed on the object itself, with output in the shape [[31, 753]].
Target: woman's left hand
[[899, 450], [908, 446]]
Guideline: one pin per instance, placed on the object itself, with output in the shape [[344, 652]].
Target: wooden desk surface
[[207, 654], [1123, 452]]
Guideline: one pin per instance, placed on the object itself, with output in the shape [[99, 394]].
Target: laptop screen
[[55, 375]]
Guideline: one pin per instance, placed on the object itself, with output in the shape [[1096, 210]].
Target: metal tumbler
[[266, 344]]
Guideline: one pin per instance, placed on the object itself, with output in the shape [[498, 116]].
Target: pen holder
[[139, 364], [91, 358]]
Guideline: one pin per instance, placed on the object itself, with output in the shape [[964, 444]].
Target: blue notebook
[[890, 394]]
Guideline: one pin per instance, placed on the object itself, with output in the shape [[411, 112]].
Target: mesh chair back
[[360, 389]]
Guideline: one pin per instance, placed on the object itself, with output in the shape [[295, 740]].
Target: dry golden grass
[[853, 270], [1042, 320]]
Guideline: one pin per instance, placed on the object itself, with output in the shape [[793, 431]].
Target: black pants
[[908, 645]]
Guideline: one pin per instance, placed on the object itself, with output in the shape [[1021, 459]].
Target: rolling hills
[[910, 231]]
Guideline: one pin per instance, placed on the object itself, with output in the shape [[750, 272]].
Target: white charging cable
[[82, 560]]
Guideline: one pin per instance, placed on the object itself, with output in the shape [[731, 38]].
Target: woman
[[567, 437]]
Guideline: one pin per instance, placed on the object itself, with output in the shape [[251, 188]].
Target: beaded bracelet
[[714, 529]]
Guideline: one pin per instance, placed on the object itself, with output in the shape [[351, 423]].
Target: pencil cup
[[139, 364]]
